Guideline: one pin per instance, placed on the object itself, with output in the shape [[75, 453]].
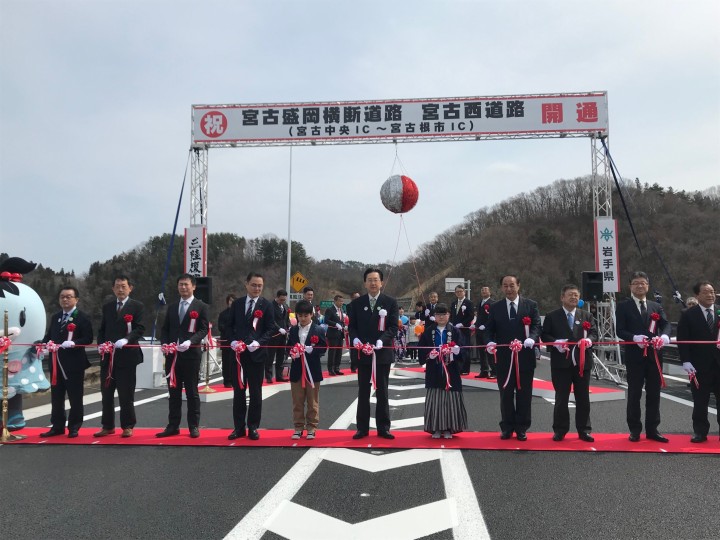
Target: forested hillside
[[545, 236]]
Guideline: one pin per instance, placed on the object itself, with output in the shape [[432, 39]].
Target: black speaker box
[[203, 289], [592, 286]]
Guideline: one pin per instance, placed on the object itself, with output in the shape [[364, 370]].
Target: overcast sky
[[95, 103]]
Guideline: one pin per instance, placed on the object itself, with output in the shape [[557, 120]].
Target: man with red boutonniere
[[487, 364], [69, 331], [253, 324], [120, 331], [570, 333], [643, 323], [701, 361], [461, 315], [373, 324], [184, 328], [513, 329]]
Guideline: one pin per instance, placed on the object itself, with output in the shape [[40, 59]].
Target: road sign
[[298, 281], [294, 297]]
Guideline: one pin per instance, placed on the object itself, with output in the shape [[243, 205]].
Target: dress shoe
[[269, 381], [169, 432], [697, 438], [492, 376], [104, 432], [482, 375], [338, 372], [227, 384], [359, 434], [236, 435], [330, 373], [281, 379], [385, 435], [72, 434], [253, 434], [505, 435], [53, 433], [586, 437], [126, 433], [657, 437], [353, 370], [194, 432], [557, 437], [521, 436], [634, 437], [464, 373]]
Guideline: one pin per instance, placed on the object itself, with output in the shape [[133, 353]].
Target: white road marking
[[402, 423], [383, 462], [458, 487], [401, 402], [405, 386], [292, 521]]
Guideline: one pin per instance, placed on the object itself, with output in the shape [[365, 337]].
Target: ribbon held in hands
[[658, 343], [515, 348], [168, 349], [239, 347]]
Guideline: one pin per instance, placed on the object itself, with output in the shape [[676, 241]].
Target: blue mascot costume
[[26, 322]]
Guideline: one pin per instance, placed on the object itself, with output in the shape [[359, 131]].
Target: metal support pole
[[289, 239]]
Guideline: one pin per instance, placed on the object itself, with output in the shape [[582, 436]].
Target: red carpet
[[604, 442]]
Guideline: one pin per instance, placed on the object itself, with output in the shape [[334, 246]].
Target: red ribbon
[[657, 343], [210, 340], [171, 348], [4, 343], [239, 349], [515, 346], [103, 349], [53, 348], [693, 379]]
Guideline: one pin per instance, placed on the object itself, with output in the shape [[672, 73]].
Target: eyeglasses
[[66, 297]]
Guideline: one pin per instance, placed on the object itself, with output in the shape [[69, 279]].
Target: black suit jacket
[[313, 359], [630, 323], [693, 327], [114, 327], [364, 325], [224, 325], [481, 319], [434, 373], [331, 319], [242, 326], [72, 360], [555, 326], [282, 315], [176, 331], [502, 330], [464, 317]]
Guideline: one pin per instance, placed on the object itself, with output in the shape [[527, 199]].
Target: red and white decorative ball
[[399, 194]]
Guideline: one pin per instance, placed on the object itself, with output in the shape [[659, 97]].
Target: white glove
[[561, 348], [491, 347], [588, 342], [98, 350], [529, 343], [666, 339], [689, 368], [120, 343], [433, 354], [432, 318], [641, 341], [254, 346], [338, 326], [356, 342], [345, 328], [184, 346], [308, 349], [282, 331], [68, 344], [481, 327], [233, 345], [455, 349], [472, 326], [427, 312], [378, 344], [458, 325]]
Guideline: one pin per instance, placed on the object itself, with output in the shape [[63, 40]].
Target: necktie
[[372, 303], [65, 319], [710, 320], [571, 320], [513, 311], [183, 309], [457, 309], [643, 310], [120, 305], [250, 307]]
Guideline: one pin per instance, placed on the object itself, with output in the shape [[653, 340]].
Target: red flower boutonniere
[[257, 316], [654, 318], [586, 325], [71, 328], [193, 320], [128, 319], [314, 340], [527, 321], [487, 308]]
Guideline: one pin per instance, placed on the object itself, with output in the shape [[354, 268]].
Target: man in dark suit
[[354, 353], [374, 321], [228, 356], [71, 329], [701, 361], [253, 323], [335, 321], [122, 325], [561, 326], [487, 364], [505, 325], [635, 322], [461, 316], [429, 312], [278, 352], [186, 325]]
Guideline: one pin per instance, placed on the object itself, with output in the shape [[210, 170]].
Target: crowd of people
[[259, 336]]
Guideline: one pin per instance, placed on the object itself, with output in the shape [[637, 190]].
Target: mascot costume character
[[26, 322]]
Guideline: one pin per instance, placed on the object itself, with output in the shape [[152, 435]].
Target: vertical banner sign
[[606, 253], [196, 251]]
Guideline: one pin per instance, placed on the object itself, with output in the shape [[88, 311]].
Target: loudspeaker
[[592, 286], [203, 289]]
